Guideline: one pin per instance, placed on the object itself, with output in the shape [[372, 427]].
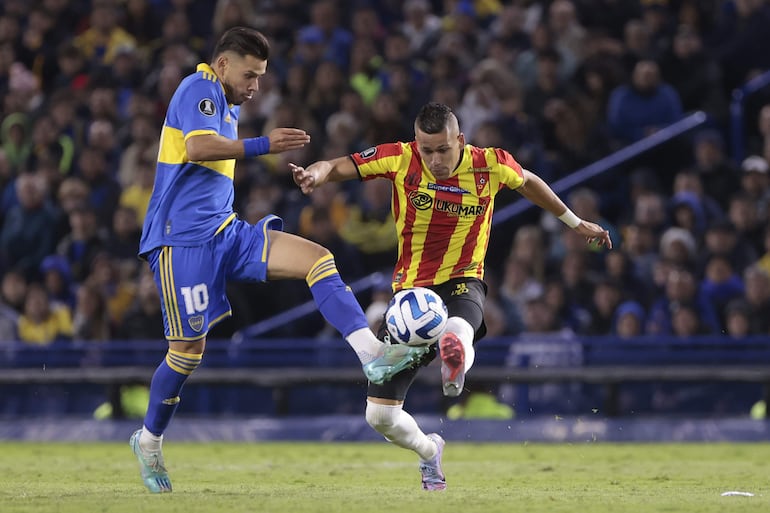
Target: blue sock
[[166, 384], [335, 300]]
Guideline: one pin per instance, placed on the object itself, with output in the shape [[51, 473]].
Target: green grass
[[378, 477]]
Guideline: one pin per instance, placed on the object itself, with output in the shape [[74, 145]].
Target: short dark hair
[[433, 117], [243, 41]]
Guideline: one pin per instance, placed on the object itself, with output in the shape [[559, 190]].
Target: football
[[416, 317]]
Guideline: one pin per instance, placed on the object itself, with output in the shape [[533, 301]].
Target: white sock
[[465, 333], [400, 428], [149, 442], [365, 344]]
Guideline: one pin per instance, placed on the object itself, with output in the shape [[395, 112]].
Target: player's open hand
[[594, 233], [285, 139], [309, 178]]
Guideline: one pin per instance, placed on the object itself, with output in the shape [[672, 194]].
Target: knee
[[190, 347], [382, 417]]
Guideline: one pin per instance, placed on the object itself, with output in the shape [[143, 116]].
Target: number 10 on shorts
[[196, 298]]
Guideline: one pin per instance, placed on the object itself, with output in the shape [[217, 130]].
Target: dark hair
[[243, 41], [433, 117]]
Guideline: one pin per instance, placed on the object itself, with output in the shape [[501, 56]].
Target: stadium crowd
[[84, 87]]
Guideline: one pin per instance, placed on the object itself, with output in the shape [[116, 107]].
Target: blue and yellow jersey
[[191, 201]]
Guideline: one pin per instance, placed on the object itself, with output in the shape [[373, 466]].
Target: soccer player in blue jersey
[[194, 242]]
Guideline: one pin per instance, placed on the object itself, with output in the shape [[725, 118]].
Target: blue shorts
[[191, 279]]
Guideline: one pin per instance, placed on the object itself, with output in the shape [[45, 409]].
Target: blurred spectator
[[91, 322], [622, 270], [688, 213], [526, 67], [136, 196], [678, 246], [57, 280], [123, 241], [685, 321], [102, 40], [721, 284], [764, 262], [637, 42], [421, 27], [681, 290], [144, 319], [13, 290], [629, 320], [718, 174], [331, 201], [16, 138], [744, 215], [27, 236], [757, 284], [606, 298], [517, 287], [326, 31], [43, 323], [370, 227], [82, 244], [743, 27], [755, 183], [569, 315], [689, 182], [723, 240], [693, 72], [115, 286], [643, 106], [568, 34], [738, 319], [104, 189]]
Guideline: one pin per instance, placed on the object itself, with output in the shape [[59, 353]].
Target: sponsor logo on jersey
[[421, 200], [207, 107], [368, 153], [458, 209], [447, 188], [480, 169], [196, 322]]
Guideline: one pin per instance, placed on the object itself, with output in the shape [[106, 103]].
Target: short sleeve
[[511, 174], [199, 109]]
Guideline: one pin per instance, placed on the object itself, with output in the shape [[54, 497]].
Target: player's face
[[240, 76], [440, 152]]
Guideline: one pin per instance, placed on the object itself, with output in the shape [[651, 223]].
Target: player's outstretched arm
[[541, 194], [318, 173], [216, 147]]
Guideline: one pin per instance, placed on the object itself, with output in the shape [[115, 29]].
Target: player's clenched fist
[[285, 139]]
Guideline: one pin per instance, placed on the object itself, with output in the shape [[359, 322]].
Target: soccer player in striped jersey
[[443, 196], [194, 242]]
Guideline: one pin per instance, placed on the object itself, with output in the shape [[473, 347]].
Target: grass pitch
[[378, 477]]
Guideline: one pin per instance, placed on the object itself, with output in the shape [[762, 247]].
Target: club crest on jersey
[[207, 107], [196, 322], [368, 153], [420, 200]]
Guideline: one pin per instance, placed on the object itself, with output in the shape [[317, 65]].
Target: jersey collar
[[208, 69]]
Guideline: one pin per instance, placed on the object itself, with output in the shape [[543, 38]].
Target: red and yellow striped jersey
[[443, 226]]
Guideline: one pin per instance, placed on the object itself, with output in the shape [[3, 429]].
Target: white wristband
[[570, 219]]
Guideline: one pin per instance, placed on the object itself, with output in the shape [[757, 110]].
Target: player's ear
[[221, 62], [461, 139]]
